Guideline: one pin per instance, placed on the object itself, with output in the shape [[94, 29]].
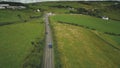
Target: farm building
[[105, 18], [15, 7], [3, 6], [38, 10], [71, 9]]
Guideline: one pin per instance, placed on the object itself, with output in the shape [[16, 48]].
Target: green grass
[[15, 43], [7, 16], [103, 7], [14, 16], [16, 50], [82, 48], [91, 22], [47, 6]]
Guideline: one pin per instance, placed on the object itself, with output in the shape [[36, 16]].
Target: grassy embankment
[[21, 44], [85, 48]]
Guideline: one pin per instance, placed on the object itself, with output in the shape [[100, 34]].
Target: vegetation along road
[[48, 55]]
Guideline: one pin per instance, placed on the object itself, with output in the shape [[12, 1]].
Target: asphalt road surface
[[48, 61]]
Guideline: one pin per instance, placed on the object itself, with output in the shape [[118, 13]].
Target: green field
[[21, 38], [80, 39], [17, 16], [91, 22], [102, 8], [86, 46], [82, 48], [97, 24], [15, 44]]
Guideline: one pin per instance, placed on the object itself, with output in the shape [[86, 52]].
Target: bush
[[35, 58], [82, 11], [110, 33]]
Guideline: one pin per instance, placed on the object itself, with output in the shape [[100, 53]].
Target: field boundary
[[21, 21], [36, 54], [94, 33], [57, 55], [109, 33]]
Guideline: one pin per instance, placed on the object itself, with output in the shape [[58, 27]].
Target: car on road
[[50, 45], [46, 32]]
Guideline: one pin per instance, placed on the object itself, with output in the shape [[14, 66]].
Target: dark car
[[50, 45], [46, 32]]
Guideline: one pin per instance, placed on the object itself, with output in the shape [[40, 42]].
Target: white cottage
[[38, 10], [105, 18]]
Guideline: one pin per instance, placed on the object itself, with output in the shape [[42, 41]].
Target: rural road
[[48, 59]]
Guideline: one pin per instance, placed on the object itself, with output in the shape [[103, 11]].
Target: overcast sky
[[30, 1]]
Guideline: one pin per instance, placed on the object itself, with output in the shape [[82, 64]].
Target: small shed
[[38, 10], [105, 18], [50, 13], [71, 9]]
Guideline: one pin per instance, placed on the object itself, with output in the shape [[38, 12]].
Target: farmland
[[22, 42], [17, 16], [82, 48], [81, 38], [89, 22], [100, 8], [92, 22]]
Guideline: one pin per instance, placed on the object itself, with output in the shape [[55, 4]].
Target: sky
[[31, 1]]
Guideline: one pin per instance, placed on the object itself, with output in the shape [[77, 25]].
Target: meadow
[[21, 43], [100, 8], [89, 22], [82, 48], [8, 16], [80, 41], [21, 38]]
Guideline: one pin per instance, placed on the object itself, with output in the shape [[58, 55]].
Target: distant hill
[[32, 1], [13, 3]]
